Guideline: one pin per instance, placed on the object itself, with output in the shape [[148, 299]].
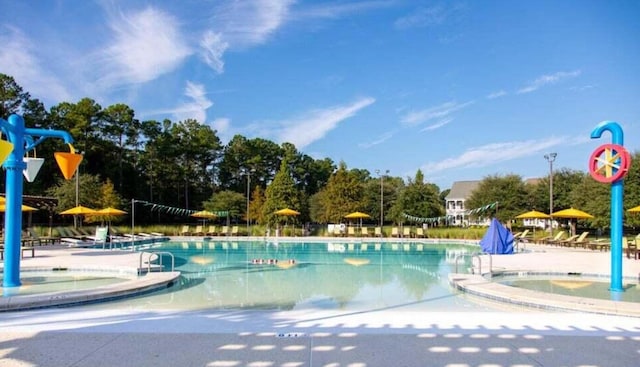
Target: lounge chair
[[581, 241], [199, 231], [419, 232], [364, 232], [547, 240], [406, 232], [212, 231], [185, 231], [235, 231], [351, 231], [378, 232], [47, 240], [224, 231], [565, 241], [395, 232]]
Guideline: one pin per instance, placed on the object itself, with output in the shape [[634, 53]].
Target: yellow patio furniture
[[395, 232], [406, 232], [378, 232], [364, 232]]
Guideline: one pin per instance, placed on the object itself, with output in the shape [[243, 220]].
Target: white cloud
[[438, 124], [429, 16], [222, 126], [493, 153], [213, 48], [18, 59], [146, 44], [497, 94], [548, 79], [339, 9], [250, 22], [310, 127], [413, 118], [381, 139], [195, 108]]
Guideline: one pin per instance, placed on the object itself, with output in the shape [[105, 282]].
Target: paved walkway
[[392, 337]]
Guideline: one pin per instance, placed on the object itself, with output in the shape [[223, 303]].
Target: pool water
[[264, 275], [577, 287], [45, 282]]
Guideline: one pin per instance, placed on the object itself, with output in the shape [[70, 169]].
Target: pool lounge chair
[[395, 232], [378, 232], [185, 231], [351, 231], [547, 240], [563, 242], [235, 231], [46, 240], [199, 231], [580, 241], [364, 232], [224, 231], [419, 232], [212, 231], [406, 232]]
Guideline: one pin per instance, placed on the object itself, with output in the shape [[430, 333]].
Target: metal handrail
[[157, 253], [474, 255]]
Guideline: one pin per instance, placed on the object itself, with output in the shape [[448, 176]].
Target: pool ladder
[[475, 255], [158, 254]]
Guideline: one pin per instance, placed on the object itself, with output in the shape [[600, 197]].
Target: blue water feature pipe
[[617, 191], [22, 140]]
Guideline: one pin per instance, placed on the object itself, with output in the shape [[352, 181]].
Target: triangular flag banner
[[68, 163], [5, 149], [33, 167]]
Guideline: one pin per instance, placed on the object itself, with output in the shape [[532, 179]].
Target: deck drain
[[289, 335]]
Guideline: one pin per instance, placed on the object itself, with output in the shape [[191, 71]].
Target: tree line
[[185, 165]]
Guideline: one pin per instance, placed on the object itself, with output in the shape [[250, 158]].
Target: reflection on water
[[286, 276]]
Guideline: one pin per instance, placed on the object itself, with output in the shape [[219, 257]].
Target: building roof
[[462, 189]]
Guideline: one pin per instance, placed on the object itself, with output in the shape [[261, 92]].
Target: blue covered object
[[497, 240]]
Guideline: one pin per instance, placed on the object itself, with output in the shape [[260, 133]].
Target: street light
[[386, 172], [550, 158], [248, 174]]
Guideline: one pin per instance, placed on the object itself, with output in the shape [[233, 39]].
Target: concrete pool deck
[[82, 336]]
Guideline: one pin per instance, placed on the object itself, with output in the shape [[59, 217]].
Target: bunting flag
[[176, 211], [427, 220], [483, 209]]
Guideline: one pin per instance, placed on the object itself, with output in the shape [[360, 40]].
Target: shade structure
[[110, 212], [205, 214], [287, 212], [357, 215], [79, 210], [572, 213], [635, 209], [24, 208], [533, 214]]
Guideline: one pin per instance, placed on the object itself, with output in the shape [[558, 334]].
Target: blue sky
[[460, 90]]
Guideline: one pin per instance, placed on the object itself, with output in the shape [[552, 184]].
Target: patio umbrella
[[79, 210], [635, 209], [357, 215], [572, 213], [287, 212], [24, 208], [110, 212], [204, 214], [533, 214]]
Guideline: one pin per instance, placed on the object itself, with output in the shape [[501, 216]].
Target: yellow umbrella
[[24, 208], [572, 213], [109, 212], [79, 210], [287, 212], [635, 209], [357, 215], [534, 214]]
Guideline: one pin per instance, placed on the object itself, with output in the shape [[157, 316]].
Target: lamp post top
[[551, 156]]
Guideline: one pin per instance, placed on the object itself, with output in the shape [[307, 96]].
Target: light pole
[[248, 174], [550, 158], [386, 172]]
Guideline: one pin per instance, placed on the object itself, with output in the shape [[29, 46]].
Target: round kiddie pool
[[574, 285]]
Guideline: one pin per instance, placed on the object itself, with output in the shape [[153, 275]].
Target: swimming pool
[[577, 286], [266, 275], [38, 282]]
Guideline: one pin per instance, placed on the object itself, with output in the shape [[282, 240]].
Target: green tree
[[509, 191], [342, 195], [226, 200], [421, 199], [280, 194], [11, 96]]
